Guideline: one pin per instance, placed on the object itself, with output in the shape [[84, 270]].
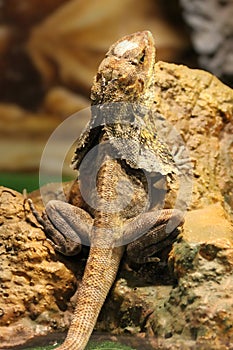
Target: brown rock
[[207, 224], [201, 109], [34, 286], [195, 312]]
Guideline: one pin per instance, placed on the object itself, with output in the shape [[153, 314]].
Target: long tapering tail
[[101, 269]]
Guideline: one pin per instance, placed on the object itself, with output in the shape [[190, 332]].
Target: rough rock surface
[[185, 302], [34, 285], [201, 108]]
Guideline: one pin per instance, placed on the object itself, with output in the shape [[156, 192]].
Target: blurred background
[[50, 51]]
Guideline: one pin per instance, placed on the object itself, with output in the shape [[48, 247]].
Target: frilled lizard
[[119, 157]]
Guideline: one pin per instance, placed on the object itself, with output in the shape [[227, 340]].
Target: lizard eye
[[139, 60], [142, 58]]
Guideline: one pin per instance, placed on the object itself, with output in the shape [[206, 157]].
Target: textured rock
[[195, 312], [201, 109], [34, 285], [202, 302]]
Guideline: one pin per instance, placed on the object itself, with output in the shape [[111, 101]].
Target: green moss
[[49, 347], [107, 345]]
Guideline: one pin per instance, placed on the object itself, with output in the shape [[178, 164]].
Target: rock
[[207, 224], [200, 107], [202, 300], [34, 285], [195, 312]]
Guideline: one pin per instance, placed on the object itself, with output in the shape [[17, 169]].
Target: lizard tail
[[99, 275]]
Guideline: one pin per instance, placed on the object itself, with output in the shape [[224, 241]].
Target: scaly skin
[[102, 267]]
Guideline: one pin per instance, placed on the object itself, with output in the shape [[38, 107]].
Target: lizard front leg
[[65, 226], [155, 234]]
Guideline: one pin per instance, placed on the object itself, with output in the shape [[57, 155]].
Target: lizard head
[[127, 70]]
